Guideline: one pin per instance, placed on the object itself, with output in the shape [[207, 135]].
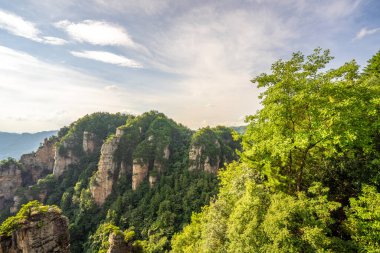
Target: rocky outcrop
[[38, 164], [63, 158], [210, 148], [139, 173], [200, 161], [89, 142], [62, 162], [41, 232], [16, 204], [27, 171], [211, 168], [195, 157], [152, 180], [103, 180], [118, 244], [10, 181], [140, 170]]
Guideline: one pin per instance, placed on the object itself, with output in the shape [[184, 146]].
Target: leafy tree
[[26, 211], [310, 116], [364, 219], [318, 128]]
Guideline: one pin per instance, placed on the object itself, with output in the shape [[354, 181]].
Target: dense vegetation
[[308, 176], [149, 215], [216, 144], [100, 124], [26, 211]]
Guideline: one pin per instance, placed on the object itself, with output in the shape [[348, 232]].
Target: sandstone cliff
[[200, 161], [40, 163], [210, 148], [139, 173], [10, 181], [139, 151], [40, 232], [63, 161], [26, 172], [118, 244], [103, 180], [89, 144]]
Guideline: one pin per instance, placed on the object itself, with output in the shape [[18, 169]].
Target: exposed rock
[[152, 181], [117, 244], [125, 169], [211, 168], [10, 181], [41, 232], [62, 161], [101, 184], [139, 173], [195, 157], [140, 169], [43, 157], [38, 164], [166, 152], [119, 132], [200, 161], [16, 204], [89, 142]]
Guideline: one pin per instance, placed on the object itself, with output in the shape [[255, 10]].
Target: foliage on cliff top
[[7, 163], [145, 137], [99, 241], [100, 123], [27, 210], [216, 142]]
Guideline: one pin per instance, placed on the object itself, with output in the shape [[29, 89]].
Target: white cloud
[[112, 87], [97, 33], [107, 57], [18, 26], [53, 40], [217, 53], [38, 92], [365, 32], [150, 7]]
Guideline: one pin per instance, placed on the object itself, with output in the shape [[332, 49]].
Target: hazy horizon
[[192, 60]]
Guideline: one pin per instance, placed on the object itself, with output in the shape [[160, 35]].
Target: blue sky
[[191, 60]]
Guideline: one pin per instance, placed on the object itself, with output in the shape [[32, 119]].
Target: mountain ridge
[[16, 144]]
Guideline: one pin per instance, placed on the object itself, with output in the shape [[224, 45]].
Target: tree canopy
[[307, 155]]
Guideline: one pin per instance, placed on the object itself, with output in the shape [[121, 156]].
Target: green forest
[[302, 176], [308, 176]]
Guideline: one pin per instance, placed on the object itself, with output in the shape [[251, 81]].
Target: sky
[[192, 60]]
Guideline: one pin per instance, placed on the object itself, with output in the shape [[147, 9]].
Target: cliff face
[[139, 173], [10, 181], [41, 162], [212, 147], [30, 168], [200, 161], [139, 151], [42, 232], [118, 244], [63, 159], [89, 142], [67, 153], [102, 183]]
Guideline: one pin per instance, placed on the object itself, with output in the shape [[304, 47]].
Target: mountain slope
[[141, 174], [14, 145]]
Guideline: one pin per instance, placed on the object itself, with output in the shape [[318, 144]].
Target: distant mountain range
[[239, 129], [14, 145]]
